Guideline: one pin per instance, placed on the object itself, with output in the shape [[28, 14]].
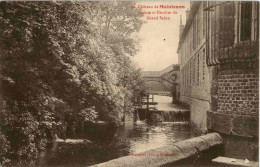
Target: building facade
[[195, 78], [218, 56]]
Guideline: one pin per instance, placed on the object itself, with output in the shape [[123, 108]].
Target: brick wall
[[237, 108], [238, 92]]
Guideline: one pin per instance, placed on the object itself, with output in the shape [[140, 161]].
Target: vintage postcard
[[129, 83]]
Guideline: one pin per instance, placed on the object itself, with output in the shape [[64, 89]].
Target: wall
[[195, 75], [198, 100], [238, 102], [228, 93]]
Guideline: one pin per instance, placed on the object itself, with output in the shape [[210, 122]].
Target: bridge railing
[[163, 93]]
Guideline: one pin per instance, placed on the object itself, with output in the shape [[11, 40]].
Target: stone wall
[[199, 115], [196, 92], [237, 102], [221, 98], [195, 75]]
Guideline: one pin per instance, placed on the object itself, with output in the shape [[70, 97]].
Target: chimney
[[181, 27]]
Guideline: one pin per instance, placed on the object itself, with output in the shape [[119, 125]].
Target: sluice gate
[[152, 111]]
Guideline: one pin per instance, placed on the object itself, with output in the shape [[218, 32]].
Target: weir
[[162, 116], [153, 108]]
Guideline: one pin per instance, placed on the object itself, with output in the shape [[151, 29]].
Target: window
[[221, 34], [198, 27], [198, 69], [203, 65], [190, 64], [226, 22], [186, 76], [246, 16], [194, 33], [190, 34], [204, 18], [182, 77], [194, 68]]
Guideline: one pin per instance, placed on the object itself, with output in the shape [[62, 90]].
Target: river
[[110, 143]]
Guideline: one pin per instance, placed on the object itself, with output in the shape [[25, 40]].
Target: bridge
[[164, 82]]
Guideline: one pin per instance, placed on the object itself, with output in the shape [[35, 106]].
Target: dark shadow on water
[[110, 143]]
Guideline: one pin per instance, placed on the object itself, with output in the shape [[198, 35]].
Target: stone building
[[218, 56], [195, 75]]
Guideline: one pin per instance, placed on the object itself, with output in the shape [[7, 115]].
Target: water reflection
[[110, 143]]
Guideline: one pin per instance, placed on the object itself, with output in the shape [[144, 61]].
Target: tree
[[58, 66]]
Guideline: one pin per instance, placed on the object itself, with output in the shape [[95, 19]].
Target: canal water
[[110, 143]]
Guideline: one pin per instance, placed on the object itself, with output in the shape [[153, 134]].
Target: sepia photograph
[[129, 83]]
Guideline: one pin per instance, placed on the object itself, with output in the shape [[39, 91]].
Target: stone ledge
[[169, 154], [233, 124]]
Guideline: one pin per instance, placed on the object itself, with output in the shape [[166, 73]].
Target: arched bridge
[[163, 82]]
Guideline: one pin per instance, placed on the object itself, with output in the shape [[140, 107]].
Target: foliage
[[61, 64], [4, 147]]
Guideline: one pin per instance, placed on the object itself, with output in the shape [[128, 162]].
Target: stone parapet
[[169, 154]]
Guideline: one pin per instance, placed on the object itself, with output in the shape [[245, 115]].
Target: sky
[[159, 38]]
